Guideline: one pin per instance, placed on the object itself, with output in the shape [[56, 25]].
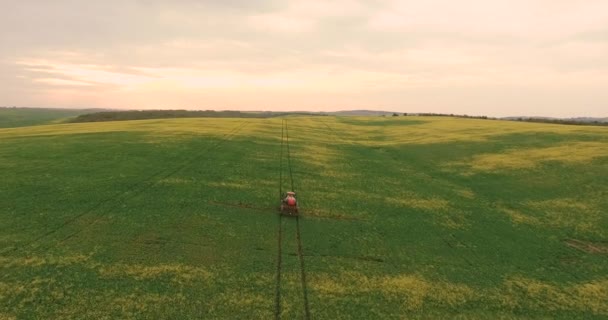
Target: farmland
[[402, 217], [19, 117]]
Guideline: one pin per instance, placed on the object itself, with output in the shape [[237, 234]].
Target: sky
[[476, 57]]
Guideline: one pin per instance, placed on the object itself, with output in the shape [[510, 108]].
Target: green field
[[404, 217], [19, 117]]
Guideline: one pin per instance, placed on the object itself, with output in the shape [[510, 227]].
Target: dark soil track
[[285, 142], [132, 191]]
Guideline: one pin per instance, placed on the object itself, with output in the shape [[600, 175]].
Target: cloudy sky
[[491, 57]]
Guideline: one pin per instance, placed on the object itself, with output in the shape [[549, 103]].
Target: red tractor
[[289, 204]]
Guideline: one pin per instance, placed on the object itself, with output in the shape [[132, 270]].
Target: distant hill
[[11, 117], [571, 121], [577, 119], [585, 119], [117, 115], [168, 114], [18, 117], [363, 113]]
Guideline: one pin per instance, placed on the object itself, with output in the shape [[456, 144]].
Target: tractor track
[[289, 156], [161, 176], [41, 169], [302, 269], [442, 238], [448, 242], [285, 144], [277, 299], [298, 233], [131, 192]]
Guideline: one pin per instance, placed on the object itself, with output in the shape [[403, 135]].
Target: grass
[[20, 117], [402, 218]]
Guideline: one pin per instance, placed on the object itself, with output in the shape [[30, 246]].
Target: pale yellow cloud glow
[[478, 57]]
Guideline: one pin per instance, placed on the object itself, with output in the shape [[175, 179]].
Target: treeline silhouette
[[578, 122], [164, 114], [562, 121], [446, 115]]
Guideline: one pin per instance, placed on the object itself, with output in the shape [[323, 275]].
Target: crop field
[[19, 117], [401, 217]]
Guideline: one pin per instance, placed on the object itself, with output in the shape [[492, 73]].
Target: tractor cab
[[289, 204]]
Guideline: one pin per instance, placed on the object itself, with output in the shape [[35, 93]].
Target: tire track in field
[[444, 238], [36, 170], [289, 156], [67, 193], [133, 190], [285, 137], [277, 299], [160, 177], [298, 234], [302, 269]]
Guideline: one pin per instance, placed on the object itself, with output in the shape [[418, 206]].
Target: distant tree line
[[523, 119], [164, 114], [423, 114], [562, 121], [448, 115]]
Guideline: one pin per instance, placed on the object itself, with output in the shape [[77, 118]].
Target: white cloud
[[396, 53], [541, 20], [281, 23]]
